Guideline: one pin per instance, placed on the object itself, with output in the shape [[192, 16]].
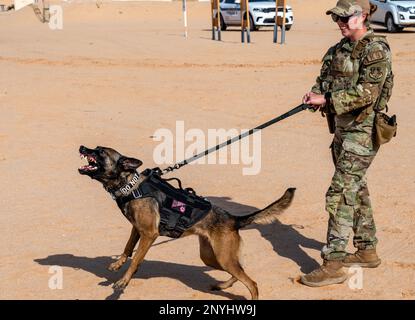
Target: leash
[[290, 113]]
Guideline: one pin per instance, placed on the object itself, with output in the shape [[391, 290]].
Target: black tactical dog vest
[[179, 208]]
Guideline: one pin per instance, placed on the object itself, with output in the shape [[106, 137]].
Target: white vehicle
[[393, 14], [261, 14]]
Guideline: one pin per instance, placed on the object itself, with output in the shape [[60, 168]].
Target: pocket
[[362, 145], [360, 138], [351, 171], [354, 165], [386, 128]]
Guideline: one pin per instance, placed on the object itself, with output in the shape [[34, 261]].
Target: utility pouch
[[385, 127]]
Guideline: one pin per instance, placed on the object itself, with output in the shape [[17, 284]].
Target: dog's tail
[[269, 214]]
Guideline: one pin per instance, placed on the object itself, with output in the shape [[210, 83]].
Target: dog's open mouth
[[91, 166]]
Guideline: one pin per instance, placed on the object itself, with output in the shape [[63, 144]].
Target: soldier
[[356, 80]]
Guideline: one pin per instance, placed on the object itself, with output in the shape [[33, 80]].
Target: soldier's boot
[[362, 258], [330, 272]]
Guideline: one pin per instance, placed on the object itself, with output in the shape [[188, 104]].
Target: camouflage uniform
[[358, 76]]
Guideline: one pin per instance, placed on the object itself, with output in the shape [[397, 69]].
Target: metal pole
[[185, 18], [242, 29], [283, 34], [248, 23], [275, 37], [219, 22]]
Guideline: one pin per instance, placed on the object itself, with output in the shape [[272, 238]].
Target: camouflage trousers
[[347, 199]]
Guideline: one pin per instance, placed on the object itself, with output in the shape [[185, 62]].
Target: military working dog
[[219, 238]]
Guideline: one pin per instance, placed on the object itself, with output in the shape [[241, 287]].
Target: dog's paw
[[223, 284], [115, 265], [118, 264], [120, 284]]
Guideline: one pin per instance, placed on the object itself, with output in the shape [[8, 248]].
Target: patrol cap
[[346, 8]]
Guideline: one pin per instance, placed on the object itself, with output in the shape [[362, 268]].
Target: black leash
[[290, 113]]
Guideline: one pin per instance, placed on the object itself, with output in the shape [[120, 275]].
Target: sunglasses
[[336, 18]]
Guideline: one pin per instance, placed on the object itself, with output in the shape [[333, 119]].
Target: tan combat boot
[[329, 273], [362, 258]]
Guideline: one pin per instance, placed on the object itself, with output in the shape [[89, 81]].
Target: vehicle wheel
[[287, 28], [390, 24], [252, 26], [223, 25]]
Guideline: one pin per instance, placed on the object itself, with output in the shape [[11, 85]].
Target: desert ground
[[119, 71]]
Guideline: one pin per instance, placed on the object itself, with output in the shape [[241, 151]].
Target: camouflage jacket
[[358, 74]]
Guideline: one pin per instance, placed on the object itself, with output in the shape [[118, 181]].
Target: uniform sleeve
[[327, 59], [374, 69]]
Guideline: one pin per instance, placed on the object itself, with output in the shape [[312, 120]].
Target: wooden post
[[215, 8], [245, 21], [280, 21]]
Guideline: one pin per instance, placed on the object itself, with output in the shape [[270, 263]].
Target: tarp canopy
[[19, 4]]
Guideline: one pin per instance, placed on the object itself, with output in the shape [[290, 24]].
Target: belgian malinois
[[218, 231]]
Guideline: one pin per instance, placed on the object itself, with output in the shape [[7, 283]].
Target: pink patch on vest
[[180, 205]]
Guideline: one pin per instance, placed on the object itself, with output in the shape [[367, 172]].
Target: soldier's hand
[[314, 100]]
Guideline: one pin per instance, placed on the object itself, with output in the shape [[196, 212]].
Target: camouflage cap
[[346, 8]]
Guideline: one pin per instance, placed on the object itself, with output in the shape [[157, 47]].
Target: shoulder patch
[[374, 56], [376, 73]]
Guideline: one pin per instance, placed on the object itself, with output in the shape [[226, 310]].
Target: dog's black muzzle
[[89, 155]]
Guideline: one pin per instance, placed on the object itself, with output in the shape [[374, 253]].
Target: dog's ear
[[129, 163]]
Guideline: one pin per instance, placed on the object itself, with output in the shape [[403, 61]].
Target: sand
[[116, 74]]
